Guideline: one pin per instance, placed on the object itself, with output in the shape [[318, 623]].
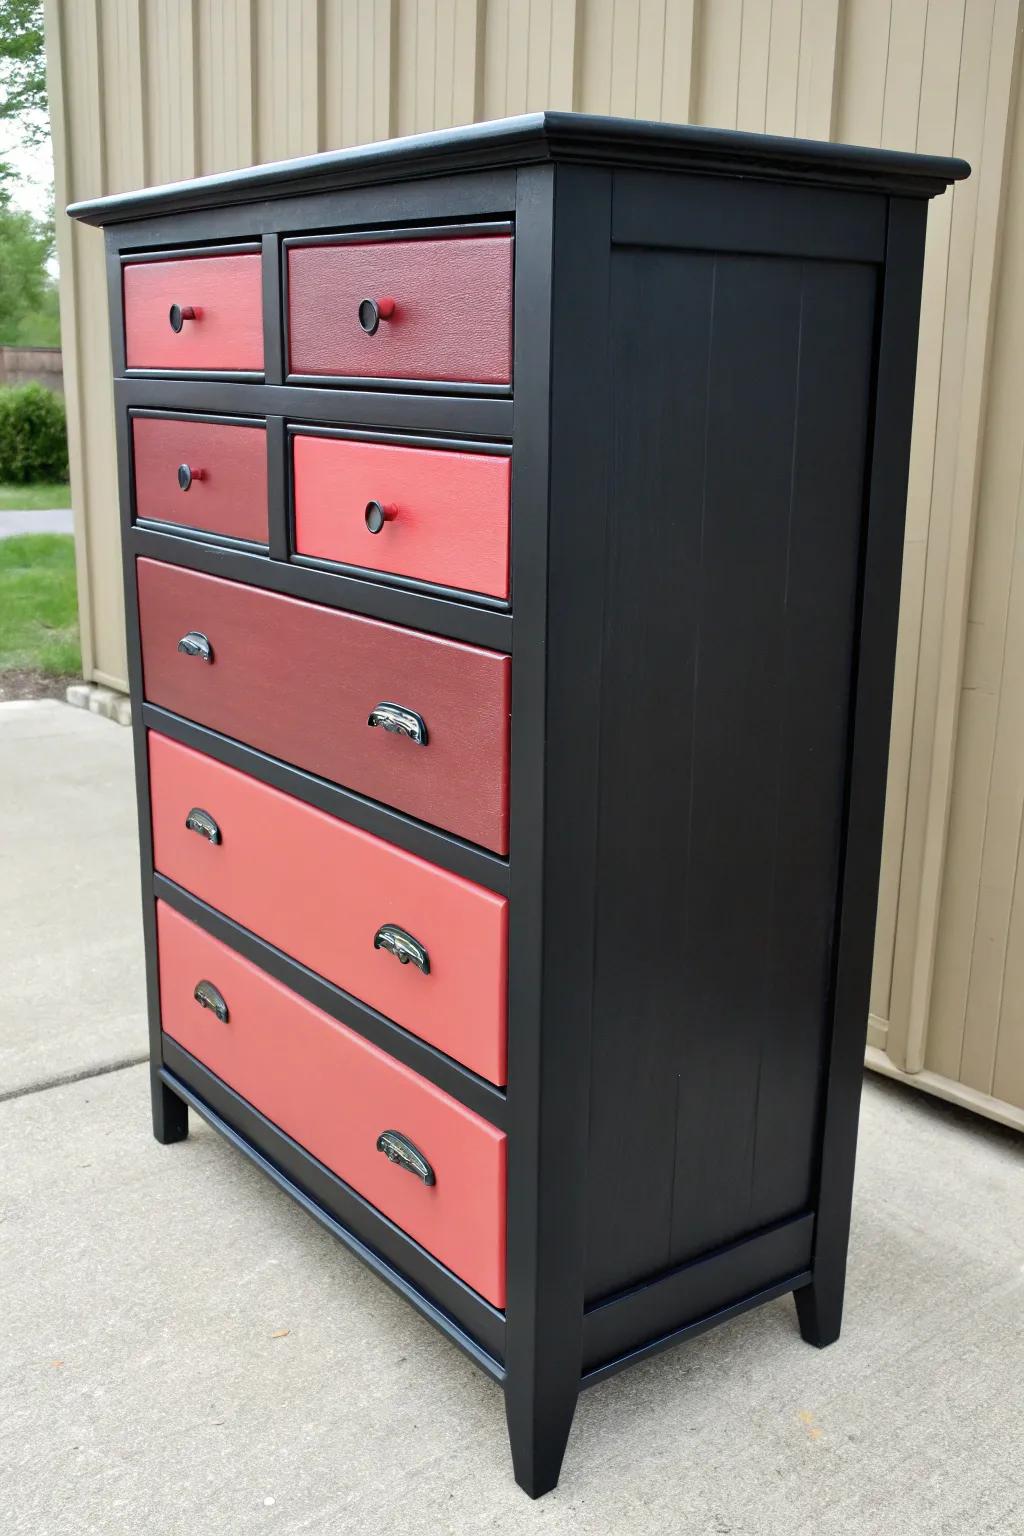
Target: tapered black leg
[[170, 1114], [819, 1310], [538, 1431]]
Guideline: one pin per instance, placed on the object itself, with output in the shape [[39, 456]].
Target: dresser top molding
[[539, 137]]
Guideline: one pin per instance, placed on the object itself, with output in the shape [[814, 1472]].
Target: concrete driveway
[[186, 1352], [59, 520]]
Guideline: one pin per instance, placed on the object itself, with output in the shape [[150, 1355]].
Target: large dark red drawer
[[323, 891], [452, 314], [224, 332], [336, 1094], [445, 514], [301, 682], [207, 475]]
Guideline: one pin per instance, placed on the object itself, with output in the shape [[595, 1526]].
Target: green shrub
[[33, 435]]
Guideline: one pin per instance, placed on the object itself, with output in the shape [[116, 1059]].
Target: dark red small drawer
[[444, 308], [302, 683], [335, 898], [429, 513], [211, 476], [337, 1095], [195, 312]]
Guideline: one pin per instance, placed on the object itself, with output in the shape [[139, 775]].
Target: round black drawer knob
[[373, 311], [178, 314], [377, 514]]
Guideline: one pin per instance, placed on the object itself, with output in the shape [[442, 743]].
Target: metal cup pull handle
[[406, 949], [195, 643], [207, 996], [399, 1149], [202, 822], [400, 721]]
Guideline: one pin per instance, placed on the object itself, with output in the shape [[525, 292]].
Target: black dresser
[[512, 525]]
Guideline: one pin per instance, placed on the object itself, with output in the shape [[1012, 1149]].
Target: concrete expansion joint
[[62, 1079]]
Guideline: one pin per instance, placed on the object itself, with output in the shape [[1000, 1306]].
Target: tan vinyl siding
[[154, 90]]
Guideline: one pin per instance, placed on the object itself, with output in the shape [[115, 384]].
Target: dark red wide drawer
[[451, 317], [336, 1094], [301, 682], [224, 332], [332, 896], [429, 513], [211, 476]]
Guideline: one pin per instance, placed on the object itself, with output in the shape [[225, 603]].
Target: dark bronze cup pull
[[186, 475], [403, 946], [377, 514], [178, 314], [399, 1149], [373, 311], [400, 721], [207, 996], [202, 822], [195, 643]]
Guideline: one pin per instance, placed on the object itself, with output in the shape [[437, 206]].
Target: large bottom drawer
[[338, 1095]]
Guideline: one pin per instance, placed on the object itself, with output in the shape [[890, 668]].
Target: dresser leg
[[819, 1311], [538, 1431], [170, 1114]]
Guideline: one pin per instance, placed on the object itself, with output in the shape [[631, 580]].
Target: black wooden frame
[[555, 178]]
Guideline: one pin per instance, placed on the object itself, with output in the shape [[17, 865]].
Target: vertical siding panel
[[816, 69], [864, 53], [287, 79], [718, 36], [224, 73], [596, 59], [784, 47], [755, 47], [902, 102], [563, 56], [170, 89], [678, 74]]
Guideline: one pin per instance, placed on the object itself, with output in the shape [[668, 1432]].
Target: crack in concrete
[[71, 1077]]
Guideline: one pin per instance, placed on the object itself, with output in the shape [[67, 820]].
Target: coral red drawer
[[346, 904], [195, 312], [402, 309], [304, 683], [429, 513], [338, 1095], [211, 476]]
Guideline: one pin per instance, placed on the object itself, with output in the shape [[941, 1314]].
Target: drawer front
[[301, 682], [225, 333], [322, 891], [206, 475], [445, 514], [452, 315], [335, 1094]]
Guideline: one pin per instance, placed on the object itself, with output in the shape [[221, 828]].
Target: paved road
[[56, 521]]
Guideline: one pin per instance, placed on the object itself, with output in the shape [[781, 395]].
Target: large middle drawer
[[303, 682], [333, 897]]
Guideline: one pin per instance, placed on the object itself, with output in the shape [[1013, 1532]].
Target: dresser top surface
[[566, 137]]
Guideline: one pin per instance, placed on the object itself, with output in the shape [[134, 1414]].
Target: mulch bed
[[29, 683]]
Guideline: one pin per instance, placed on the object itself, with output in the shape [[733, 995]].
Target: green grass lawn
[[39, 604], [33, 498]]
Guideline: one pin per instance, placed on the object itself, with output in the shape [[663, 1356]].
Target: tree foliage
[[23, 69], [28, 297]]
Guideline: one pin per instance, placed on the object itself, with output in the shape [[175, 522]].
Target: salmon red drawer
[[335, 1094], [301, 682], [451, 317], [322, 890], [224, 333], [445, 514], [211, 476]]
